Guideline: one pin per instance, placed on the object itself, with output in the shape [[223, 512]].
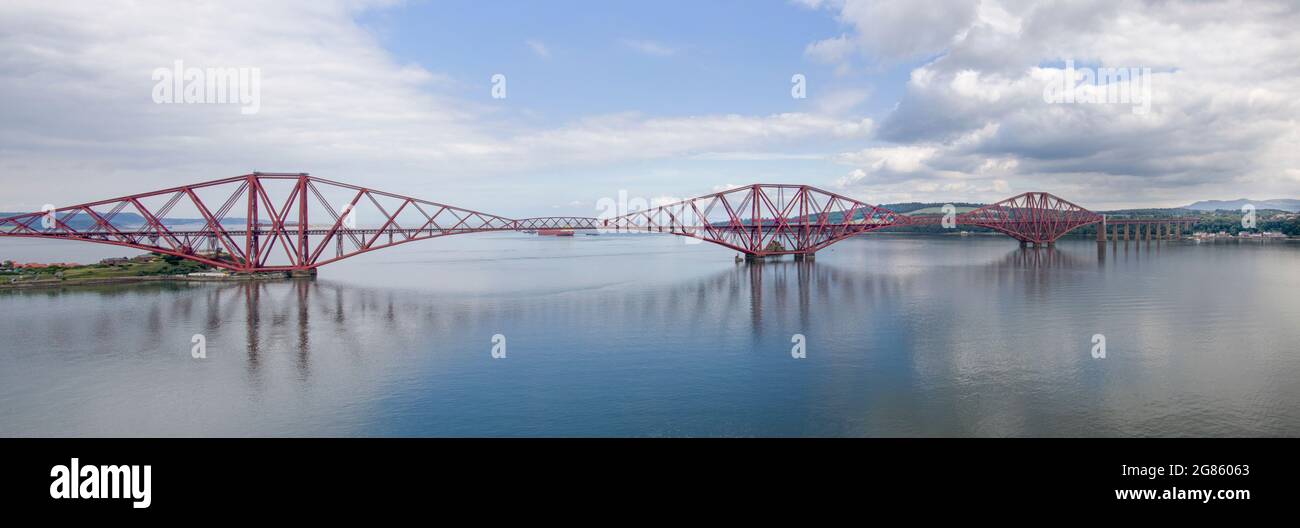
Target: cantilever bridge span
[[295, 222]]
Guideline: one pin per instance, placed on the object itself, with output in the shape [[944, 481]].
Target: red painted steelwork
[[276, 232], [763, 219], [1036, 217]]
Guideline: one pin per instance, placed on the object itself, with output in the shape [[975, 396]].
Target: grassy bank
[[154, 267]]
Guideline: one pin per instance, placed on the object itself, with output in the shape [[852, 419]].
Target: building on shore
[[43, 265]]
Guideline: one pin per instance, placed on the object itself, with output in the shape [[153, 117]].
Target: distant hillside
[[1290, 206], [124, 219], [937, 209], [909, 208]]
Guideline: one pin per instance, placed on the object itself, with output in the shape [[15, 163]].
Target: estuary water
[[646, 335]]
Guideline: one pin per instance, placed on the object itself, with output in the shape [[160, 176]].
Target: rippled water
[[649, 336]]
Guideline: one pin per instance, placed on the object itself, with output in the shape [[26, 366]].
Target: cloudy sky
[[932, 101]]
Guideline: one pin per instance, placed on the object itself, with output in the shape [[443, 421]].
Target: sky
[[940, 101]]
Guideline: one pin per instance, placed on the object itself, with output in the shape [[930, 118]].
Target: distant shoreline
[[46, 283], [59, 283]]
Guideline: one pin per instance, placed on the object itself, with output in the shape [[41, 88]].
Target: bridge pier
[[1101, 231], [805, 256]]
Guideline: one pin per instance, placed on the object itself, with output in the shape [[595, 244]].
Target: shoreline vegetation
[[150, 267]]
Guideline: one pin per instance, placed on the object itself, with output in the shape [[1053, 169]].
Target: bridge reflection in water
[[905, 335], [276, 316]]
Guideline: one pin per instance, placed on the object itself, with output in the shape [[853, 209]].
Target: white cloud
[[840, 101], [539, 48], [649, 47], [831, 50], [76, 86], [902, 30], [1222, 122], [630, 136]]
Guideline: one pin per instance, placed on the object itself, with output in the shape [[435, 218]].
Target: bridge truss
[[296, 222]]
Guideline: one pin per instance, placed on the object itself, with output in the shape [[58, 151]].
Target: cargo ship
[[555, 232]]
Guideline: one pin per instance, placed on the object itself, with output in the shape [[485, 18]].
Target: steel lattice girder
[[274, 222], [763, 219], [1036, 217], [758, 219]]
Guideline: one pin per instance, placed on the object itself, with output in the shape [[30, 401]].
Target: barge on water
[[555, 232]]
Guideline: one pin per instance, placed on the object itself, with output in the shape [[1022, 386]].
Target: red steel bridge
[[294, 222]]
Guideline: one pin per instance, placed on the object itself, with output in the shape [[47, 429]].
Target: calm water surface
[[649, 336]]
